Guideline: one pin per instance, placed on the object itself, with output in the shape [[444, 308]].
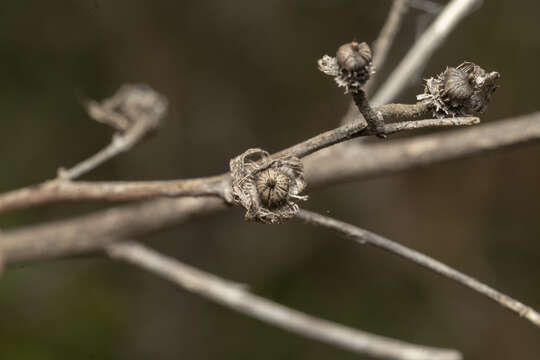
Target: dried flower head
[[267, 187], [352, 66], [464, 90], [131, 105]]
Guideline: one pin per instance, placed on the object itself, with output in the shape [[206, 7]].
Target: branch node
[[374, 118], [266, 187]]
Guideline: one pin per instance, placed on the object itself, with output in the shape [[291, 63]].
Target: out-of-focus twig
[[382, 45], [134, 111], [422, 50], [430, 7], [366, 237], [234, 296], [2, 264], [90, 232]]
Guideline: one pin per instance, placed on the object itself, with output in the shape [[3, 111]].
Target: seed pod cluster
[[267, 188], [460, 91], [352, 66]]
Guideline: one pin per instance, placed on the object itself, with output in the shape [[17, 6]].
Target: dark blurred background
[[242, 74]]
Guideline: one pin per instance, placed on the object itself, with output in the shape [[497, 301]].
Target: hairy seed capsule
[[353, 56], [457, 85], [272, 187]]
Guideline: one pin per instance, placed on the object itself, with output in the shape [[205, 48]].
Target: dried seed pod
[[353, 56], [273, 187], [352, 66], [457, 85], [460, 91], [267, 187]]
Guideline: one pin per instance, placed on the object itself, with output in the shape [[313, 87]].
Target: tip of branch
[[129, 106]]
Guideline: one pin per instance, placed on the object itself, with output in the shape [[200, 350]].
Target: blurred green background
[[242, 74]]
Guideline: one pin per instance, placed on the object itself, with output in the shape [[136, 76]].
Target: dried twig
[[422, 50], [56, 191], [365, 237], [66, 190], [234, 296], [352, 163], [374, 118], [89, 232], [386, 37], [120, 143], [134, 111]]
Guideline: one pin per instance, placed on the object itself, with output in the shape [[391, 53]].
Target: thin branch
[[2, 264], [60, 190], [237, 298], [65, 190], [430, 123], [134, 111], [390, 112], [373, 118], [89, 232], [423, 49], [341, 164], [120, 143], [427, 6], [145, 108], [365, 237], [386, 37]]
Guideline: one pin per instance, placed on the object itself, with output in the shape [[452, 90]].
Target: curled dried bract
[[460, 91], [267, 188], [352, 66], [131, 105]]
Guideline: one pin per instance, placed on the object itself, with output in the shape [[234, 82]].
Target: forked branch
[[89, 232], [63, 189]]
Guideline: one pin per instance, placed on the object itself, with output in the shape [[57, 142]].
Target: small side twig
[[234, 296], [134, 111], [120, 143], [406, 113], [365, 237], [374, 119]]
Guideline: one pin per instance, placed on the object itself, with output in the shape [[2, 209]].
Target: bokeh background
[[242, 74]]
